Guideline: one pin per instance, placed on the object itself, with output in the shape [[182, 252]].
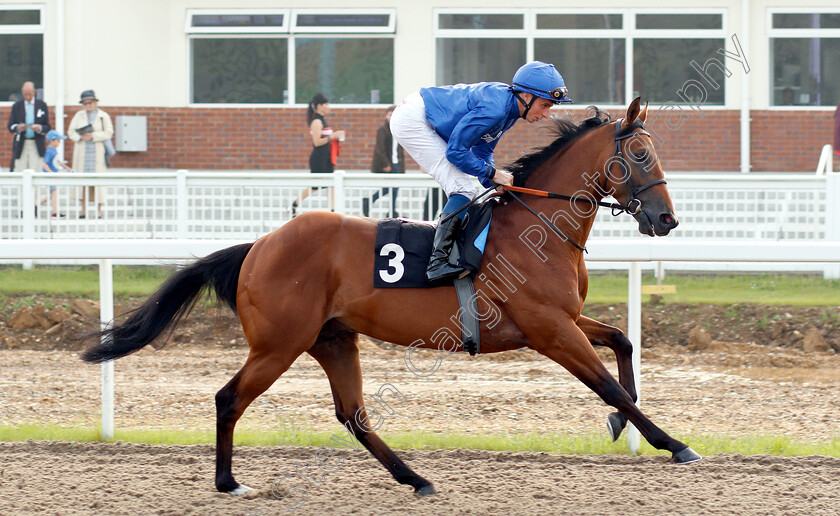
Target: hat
[[55, 135], [88, 95]]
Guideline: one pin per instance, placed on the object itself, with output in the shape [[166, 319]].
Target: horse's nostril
[[668, 220]]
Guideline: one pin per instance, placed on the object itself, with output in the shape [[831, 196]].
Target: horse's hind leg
[[600, 334], [339, 356], [259, 372]]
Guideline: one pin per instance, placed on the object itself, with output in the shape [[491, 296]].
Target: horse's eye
[[640, 156]]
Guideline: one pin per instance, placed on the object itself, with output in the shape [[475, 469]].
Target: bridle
[[633, 206]]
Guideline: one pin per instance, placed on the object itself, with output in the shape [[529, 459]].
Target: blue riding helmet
[[543, 80]]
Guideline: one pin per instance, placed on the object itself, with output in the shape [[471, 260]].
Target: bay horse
[[307, 288]]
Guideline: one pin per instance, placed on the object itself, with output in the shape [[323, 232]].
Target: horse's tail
[[162, 312]]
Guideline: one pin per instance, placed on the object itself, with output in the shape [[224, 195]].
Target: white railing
[[826, 163], [634, 251], [247, 205]]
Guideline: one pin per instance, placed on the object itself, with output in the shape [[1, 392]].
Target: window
[[589, 50], [804, 57], [282, 56], [589, 47], [475, 47], [21, 49], [346, 70]]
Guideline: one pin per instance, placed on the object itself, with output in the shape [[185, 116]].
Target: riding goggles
[[557, 95]]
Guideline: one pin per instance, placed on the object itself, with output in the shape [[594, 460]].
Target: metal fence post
[[340, 196], [106, 316], [182, 207], [634, 333]]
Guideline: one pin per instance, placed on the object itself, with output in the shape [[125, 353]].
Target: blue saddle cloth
[[403, 248]]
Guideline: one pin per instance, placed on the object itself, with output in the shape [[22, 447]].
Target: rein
[[631, 209]]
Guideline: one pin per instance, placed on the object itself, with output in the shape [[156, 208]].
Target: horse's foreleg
[[339, 356], [571, 349], [257, 375], [600, 334]]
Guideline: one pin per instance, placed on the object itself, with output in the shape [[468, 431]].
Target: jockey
[[451, 132]]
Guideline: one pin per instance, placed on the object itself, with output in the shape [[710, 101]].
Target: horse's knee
[[622, 343], [225, 401], [340, 416]]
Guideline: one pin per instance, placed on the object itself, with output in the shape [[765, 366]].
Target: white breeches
[[417, 136]]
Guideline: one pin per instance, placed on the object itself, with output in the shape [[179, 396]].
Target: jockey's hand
[[501, 178]]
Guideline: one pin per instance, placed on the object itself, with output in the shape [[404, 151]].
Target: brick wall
[[265, 138]]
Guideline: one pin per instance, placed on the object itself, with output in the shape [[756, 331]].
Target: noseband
[[634, 204]]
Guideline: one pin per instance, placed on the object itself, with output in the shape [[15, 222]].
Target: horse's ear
[[643, 114], [633, 111]]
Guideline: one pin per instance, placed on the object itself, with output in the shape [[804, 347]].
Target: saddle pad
[[403, 248]]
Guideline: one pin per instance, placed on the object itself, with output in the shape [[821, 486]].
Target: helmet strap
[[526, 104]]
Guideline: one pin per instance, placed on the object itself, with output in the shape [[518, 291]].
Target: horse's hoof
[[426, 490], [685, 456], [614, 426], [240, 490]]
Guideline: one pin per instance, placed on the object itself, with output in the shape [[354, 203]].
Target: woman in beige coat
[[89, 129]]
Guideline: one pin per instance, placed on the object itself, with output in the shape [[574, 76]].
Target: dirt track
[[96, 478], [710, 388], [518, 392]]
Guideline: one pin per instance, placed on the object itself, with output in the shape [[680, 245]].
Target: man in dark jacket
[[29, 120], [388, 158]]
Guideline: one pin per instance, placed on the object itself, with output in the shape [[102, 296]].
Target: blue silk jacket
[[471, 118]]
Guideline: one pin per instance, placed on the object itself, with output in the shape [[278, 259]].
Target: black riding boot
[[439, 267]]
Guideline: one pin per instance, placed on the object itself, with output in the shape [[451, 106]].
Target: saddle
[[402, 252]]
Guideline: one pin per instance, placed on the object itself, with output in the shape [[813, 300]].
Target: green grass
[[604, 288], [80, 280], [722, 289], [585, 444]]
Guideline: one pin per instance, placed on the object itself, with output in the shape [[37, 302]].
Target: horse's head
[[634, 174]]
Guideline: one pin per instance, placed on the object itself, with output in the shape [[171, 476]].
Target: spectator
[[388, 158], [29, 120], [787, 97], [89, 128], [325, 144], [53, 164]]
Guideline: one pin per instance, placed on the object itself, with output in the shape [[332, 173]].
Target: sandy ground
[[732, 392], [731, 389], [96, 478]]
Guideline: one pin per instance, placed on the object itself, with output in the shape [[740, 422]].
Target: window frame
[[190, 30], [786, 33], [389, 29], [289, 31], [628, 32], [39, 28]]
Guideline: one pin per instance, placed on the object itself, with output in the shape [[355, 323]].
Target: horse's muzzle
[[656, 224]]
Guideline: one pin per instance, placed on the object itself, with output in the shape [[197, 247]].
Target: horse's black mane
[[566, 130]]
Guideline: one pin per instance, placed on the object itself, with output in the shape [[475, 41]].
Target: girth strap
[[467, 311]]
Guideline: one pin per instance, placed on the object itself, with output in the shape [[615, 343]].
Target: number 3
[[395, 262]]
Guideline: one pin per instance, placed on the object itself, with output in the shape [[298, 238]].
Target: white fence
[[635, 251], [247, 205]]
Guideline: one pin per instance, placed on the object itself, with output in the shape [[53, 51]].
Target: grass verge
[[585, 444], [724, 289], [81, 280], [605, 288]]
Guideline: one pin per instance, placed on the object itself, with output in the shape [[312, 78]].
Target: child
[[53, 164]]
